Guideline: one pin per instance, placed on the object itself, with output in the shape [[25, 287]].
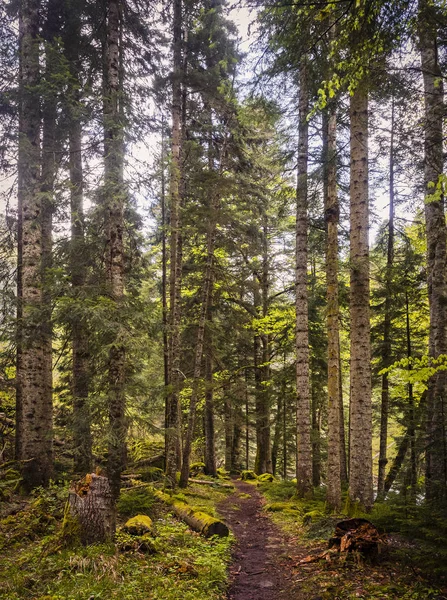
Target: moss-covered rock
[[248, 476], [138, 525], [197, 468], [266, 478]]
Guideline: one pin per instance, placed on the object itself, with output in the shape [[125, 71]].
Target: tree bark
[[114, 205], [304, 446], [210, 447], [91, 515], [436, 450], [172, 409], [360, 471], [32, 374], [386, 347], [332, 218]]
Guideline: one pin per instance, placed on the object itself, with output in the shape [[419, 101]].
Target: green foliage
[[137, 501], [266, 478], [151, 474], [177, 563]]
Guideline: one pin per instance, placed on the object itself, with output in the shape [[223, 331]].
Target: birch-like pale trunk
[[386, 346], [36, 425], [436, 448], [332, 212], [360, 458], [303, 424]]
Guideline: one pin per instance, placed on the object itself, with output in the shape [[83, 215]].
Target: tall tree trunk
[[360, 470], [436, 452], [164, 259], [263, 462], [210, 447], [82, 438], [114, 205], [343, 453], [332, 218], [411, 408], [386, 347], [172, 409], [277, 434], [304, 446], [32, 374], [198, 356], [48, 176]]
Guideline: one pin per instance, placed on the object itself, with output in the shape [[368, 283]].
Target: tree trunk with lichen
[[36, 423], [333, 385], [303, 423], [114, 194], [360, 459], [436, 453]]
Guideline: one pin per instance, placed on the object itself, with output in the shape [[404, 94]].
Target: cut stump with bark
[[357, 535], [90, 514]]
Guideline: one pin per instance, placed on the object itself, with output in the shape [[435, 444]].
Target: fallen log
[[357, 535], [198, 521]]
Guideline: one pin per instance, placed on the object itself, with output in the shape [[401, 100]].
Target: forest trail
[[263, 559]]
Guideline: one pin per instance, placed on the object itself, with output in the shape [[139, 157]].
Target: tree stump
[[90, 514], [357, 535]]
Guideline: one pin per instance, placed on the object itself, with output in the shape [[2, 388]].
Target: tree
[[436, 456], [114, 199], [304, 447], [35, 413]]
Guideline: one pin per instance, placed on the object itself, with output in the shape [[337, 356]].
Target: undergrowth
[[414, 565], [36, 565]]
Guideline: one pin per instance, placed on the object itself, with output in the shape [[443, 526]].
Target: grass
[[36, 566]]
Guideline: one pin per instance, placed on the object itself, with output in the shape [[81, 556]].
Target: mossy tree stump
[[91, 510]]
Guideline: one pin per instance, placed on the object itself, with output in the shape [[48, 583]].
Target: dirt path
[[263, 559]]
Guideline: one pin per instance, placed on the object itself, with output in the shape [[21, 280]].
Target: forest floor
[[270, 545], [272, 532]]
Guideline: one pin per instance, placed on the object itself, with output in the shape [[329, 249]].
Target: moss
[[223, 473], [196, 468], [71, 531], [283, 506], [266, 477], [138, 525], [312, 516], [244, 495], [249, 476], [126, 542]]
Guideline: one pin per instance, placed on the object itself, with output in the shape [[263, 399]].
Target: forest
[[223, 296]]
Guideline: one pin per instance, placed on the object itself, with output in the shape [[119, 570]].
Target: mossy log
[[90, 514], [198, 521]]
